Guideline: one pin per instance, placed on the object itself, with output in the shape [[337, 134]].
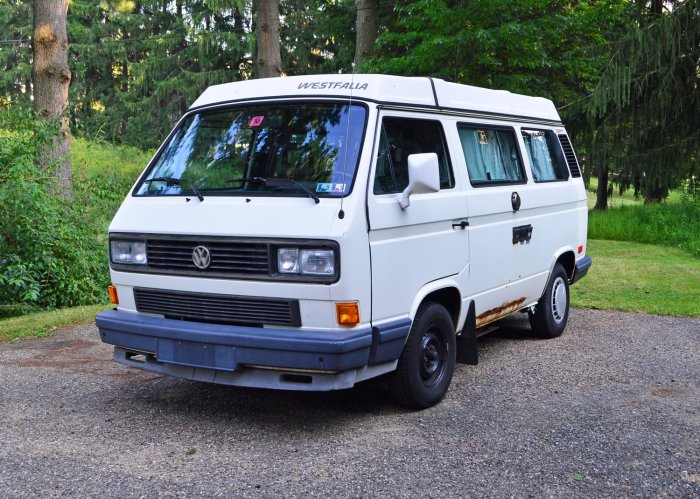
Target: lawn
[[625, 199], [635, 277], [41, 324]]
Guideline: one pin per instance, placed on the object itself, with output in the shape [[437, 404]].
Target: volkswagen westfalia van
[[308, 233]]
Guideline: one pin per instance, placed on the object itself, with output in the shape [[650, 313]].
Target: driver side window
[[401, 137]]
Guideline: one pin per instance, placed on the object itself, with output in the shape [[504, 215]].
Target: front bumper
[[233, 349]]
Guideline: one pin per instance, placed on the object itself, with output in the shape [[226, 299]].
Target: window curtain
[[490, 155], [539, 152]]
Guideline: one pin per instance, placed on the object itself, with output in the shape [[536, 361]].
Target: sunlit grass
[[636, 277], [45, 323]]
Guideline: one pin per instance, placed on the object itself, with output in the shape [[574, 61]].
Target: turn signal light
[[348, 314], [112, 289]]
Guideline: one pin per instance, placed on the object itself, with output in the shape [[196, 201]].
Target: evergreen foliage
[[15, 52], [530, 47], [138, 69], [644, 114], [137, 66]]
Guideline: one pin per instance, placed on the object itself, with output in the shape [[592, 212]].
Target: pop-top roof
[[398, 90]]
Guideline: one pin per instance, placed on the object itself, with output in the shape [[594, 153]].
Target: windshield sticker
[[330, 187], [256, 121]]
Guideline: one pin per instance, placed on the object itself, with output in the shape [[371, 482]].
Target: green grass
[[41, 324], [634, 277], [93, 157], [625, 199], [675, 225]]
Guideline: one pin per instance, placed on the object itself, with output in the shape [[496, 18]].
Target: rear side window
[[491, 155], [546, 160], [401, 137]]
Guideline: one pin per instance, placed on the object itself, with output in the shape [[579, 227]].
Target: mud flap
[[467, 349]]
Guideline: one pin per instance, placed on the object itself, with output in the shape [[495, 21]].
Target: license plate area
[[194, 354]]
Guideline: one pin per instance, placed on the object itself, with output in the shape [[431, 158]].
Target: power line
[[110, 39], [15, 42]]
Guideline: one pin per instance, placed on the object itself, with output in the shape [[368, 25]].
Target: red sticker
[[256, 121]]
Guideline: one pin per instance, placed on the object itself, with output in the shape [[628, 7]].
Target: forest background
[[624, 75]]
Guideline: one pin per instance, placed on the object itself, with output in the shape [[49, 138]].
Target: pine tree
[[15, 52], [644, 114]]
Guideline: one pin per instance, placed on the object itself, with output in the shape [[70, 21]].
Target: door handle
[[462, 225], [515, 201]]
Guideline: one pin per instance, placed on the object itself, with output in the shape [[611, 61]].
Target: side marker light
[[348, 314], [112, 289]]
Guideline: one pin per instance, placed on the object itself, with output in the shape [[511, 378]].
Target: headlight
[[288, 260], [128, 252], [320, 262], [317, 262]]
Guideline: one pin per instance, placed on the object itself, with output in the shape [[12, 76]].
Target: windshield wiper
[[278, 182], [177, 181]]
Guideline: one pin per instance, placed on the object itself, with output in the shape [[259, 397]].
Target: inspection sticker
[[330, 187], [256, 121]]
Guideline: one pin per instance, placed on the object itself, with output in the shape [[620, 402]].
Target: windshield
[[247, 150]]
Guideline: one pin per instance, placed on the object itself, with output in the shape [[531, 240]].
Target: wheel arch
[[567, 259], [445, 293]]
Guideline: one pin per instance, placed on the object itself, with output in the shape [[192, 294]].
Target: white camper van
[[308, 233]]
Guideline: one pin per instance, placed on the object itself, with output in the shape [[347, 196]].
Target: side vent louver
[[570, 156]]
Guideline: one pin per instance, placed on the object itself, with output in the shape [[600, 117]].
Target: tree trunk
[[51, 80], [601, 200], [654, 191], [268, 61], [366, 26]]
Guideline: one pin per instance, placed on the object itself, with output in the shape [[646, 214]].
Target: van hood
[[293, 217]]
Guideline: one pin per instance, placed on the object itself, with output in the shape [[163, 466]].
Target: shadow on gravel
[[515, 327], [272, 409]]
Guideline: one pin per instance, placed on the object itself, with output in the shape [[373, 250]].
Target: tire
[[552, 310], [426, 365]]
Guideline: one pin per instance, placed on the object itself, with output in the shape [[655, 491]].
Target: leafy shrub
[[52, 254], [16, 309]]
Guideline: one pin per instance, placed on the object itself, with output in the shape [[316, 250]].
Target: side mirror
[[423, 176]]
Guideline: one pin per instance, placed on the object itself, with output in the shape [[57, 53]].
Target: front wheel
[[552, 311], [428, 359]]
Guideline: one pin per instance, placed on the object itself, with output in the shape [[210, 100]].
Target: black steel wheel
[[427, 363], [552, 310]]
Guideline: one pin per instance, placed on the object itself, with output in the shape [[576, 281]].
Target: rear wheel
[[427, 362], [552, 311]]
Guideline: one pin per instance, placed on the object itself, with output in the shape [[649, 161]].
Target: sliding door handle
[[515, 201]]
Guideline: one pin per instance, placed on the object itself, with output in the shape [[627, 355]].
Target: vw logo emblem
[[201, 256]]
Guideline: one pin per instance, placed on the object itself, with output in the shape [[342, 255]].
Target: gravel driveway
[[612, 408]]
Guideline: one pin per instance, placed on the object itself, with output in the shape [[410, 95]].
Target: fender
[[458, 282]]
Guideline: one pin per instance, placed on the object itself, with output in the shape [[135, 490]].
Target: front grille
[[222, 257], [226, 257], [570, 156], [218, 309]]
